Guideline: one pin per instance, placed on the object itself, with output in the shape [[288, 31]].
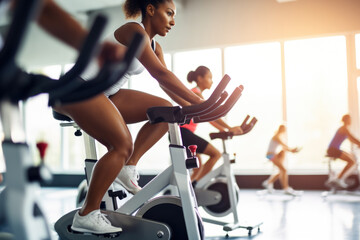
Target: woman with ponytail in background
[[202, 76]]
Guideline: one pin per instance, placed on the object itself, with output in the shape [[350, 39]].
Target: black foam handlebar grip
[[110, 74], [24, 12], [202, 107], [223, 109], [67, 82], [222, 98]]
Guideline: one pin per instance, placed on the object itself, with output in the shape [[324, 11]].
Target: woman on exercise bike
[[202, 76], [276, 154], [334, 151], [106, 116]]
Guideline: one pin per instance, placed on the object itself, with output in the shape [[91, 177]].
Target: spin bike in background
[[164, 217], [21, 214], [217, 192], [352, 177]]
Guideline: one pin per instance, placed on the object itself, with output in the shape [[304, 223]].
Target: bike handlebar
[[109, 74], [23, 13], [66, 82], [196, 109], [178, 115], [246, 127], [221, 110]]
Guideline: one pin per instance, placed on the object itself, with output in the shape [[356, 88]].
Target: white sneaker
[[128, 178], [341, 183], [94, 222], [268, 186], [292, 192]]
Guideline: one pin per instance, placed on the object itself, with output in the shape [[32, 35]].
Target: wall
[[213, 23], [204, 23]]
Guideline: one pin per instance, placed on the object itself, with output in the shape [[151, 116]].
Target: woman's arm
[[60, 24], [282, 143], [352, 138], [155, 67], [174, 97]]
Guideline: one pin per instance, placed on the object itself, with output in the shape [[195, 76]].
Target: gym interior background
[[299, 62]]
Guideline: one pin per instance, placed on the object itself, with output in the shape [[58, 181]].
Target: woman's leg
[[273, 178], [133, 106], [278, 161], [214, 156], [350, 162], [100, 119]]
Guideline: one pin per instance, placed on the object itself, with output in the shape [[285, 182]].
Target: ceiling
[[79, 6]]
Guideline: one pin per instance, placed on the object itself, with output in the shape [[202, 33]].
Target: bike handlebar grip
[[221, 135], [223, 109], [66, 83], [200, 108], [110, 74], [222, 98], [243, 124], [164, 114], [24, 11], [248, 127]]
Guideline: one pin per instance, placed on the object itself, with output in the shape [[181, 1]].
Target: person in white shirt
[[276, 154]]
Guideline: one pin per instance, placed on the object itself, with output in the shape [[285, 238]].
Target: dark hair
[[133, 8], [200, 71]]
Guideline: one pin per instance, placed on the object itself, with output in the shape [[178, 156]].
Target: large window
[[310, 98], [258, 68], [184, 62], [316, 97], [357, 46]]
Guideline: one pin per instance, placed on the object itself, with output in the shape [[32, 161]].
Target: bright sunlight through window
[[258, 68], [316, 95]]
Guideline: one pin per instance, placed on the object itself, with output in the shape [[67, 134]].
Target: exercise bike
[[352, 178], [166, 217], [21, 213], [217, 192]]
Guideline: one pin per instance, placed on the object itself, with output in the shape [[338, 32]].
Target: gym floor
[[309, 217]]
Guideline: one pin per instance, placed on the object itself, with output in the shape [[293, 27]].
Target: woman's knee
[[123, 149], [217, 154], [164, 102]]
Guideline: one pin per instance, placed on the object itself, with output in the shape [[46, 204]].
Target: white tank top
[[273, 146], [135, 68]]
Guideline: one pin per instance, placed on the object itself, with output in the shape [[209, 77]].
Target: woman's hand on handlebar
[[236, 130], [295, 150], [111, 52]]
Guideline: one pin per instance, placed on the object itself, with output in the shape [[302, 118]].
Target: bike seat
[[61, 117]]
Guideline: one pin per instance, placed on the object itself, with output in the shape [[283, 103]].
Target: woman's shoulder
[[130, 27], [125, 32]]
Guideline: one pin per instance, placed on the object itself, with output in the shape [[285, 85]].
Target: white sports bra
[[135, 68]]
